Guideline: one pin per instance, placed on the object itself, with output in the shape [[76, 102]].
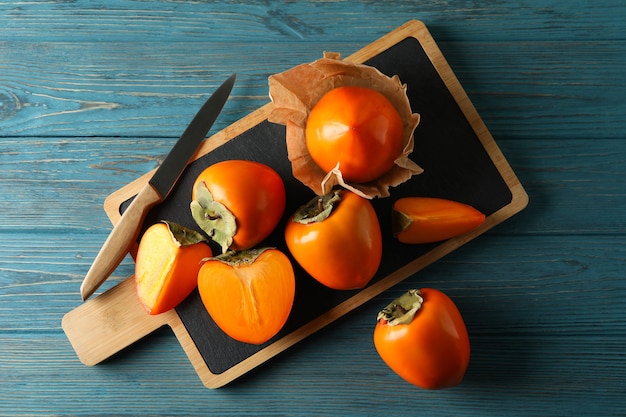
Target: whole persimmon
[[357, 128], [422, 337], [166, 269], [249, 294], [337, 239], [238, 203]]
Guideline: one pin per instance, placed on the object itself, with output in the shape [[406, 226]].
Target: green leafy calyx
[[213, 217], [318, 209], [402, 310], [183, 235]]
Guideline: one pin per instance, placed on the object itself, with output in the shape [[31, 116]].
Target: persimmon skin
[[252, 191], [358, 128], [165, 272], [433, 351], [250, 302], [344, 251], [433, 219]]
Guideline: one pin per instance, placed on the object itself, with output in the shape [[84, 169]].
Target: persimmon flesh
[[249, 294], [166, 268], [357, 127]]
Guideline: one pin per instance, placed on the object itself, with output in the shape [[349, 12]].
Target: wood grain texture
[[93, 94]]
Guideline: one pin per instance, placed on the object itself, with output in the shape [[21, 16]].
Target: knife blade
[[126, 231]]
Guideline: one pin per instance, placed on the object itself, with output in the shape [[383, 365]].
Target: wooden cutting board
[[461, 162]]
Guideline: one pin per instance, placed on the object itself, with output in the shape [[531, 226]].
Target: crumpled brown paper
[[296, 91]]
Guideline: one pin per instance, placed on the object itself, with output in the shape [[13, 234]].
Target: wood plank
[[556, 273], [118, 90], [164, 21], [546, 380], [568, 181]]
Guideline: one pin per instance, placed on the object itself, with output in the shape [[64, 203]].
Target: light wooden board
[[112, 321]]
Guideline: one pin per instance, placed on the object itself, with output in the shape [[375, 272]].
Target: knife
[[126, 231]]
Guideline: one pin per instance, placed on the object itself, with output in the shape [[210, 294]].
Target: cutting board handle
[[106, 324]]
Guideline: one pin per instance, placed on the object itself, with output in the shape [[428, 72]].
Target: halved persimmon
[[168, 260], [249, 294], [357, 128]]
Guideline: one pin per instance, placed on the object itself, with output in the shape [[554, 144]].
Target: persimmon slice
[[427, 219], [249, 294], [168, 260]]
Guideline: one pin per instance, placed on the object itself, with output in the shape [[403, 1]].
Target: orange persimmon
[[427, 219], [358, 128], [422, 337], [168, 260], [238, 203], [337, 239], [249, 294]]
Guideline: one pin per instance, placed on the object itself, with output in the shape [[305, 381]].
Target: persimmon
[[238, 203], [166, 269], [249, 294], [337, 239], [427, 219], [422, 337], [357, 128]]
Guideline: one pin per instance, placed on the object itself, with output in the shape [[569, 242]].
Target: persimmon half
[[166, 269], [249, 294], [357, 128]]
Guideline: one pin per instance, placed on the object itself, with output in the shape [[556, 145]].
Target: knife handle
[[120, 241]]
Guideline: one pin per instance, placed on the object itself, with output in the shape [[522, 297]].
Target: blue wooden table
[[93, 95]]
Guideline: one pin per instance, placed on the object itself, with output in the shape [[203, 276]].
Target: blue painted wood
[[92, 94]]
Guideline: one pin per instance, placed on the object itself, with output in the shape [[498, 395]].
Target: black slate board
[[456, 164]]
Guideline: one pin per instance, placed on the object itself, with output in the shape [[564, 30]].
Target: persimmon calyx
[[182, 235], [318, 209], [399, 222], [238, 258], [213, 217], [402, 310]]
